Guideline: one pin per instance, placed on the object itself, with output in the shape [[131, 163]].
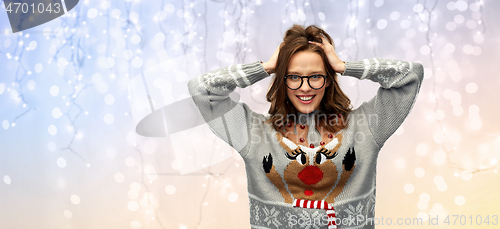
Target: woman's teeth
[[305, 98]]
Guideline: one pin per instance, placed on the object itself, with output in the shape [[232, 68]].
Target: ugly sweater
[[309, 164]]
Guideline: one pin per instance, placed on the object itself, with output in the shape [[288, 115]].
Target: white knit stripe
[[235, 78], [295, 202], [300, 203], [377, 65], [309, 204], [332, 227], [240, 71], [315, 204], [365, 71], [330, 212]]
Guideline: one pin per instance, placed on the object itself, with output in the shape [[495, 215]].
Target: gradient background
[[70, 157]]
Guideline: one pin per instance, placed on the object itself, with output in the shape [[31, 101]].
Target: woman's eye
[[315, 77], [294, 77]]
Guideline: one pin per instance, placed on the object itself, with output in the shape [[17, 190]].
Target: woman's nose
[[305, 86]]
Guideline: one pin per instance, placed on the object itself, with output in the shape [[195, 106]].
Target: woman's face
[[306, 63]]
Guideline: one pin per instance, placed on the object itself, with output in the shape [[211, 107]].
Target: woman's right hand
[[270, 65]]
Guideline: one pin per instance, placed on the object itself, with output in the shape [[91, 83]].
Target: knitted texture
[[318, 204], [340, 171]]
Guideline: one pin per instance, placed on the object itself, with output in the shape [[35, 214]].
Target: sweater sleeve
[[400, 83], [212, 93]]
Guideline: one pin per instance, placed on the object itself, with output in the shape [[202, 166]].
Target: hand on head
[[270, 65], [337, 64]]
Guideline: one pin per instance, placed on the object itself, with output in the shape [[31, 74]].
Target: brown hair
[[335, 103]]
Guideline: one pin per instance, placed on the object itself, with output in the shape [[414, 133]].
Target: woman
[[312, 161]]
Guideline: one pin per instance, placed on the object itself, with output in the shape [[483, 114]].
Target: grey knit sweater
[[340, 168]]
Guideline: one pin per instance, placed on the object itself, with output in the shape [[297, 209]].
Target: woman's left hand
[[337, 64]]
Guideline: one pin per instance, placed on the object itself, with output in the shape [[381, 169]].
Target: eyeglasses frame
[[302, 81]]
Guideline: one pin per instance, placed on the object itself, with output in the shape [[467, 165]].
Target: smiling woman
[[306, 97], [312, 160], [302, 54]]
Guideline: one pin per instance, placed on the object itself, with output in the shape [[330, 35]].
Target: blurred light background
[[70, 157]]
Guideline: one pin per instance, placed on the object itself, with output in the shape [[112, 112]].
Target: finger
[[327, 42], [324, 40], [321, 45], [316, 43]]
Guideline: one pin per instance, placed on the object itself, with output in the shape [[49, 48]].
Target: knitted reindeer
[[311, 174]]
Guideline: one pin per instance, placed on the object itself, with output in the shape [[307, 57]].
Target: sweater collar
[[307, 119]]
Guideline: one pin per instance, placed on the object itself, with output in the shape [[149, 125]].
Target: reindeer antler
[[330, 149], [292, 149]]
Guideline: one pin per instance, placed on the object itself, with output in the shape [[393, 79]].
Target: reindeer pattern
[[311, 173]]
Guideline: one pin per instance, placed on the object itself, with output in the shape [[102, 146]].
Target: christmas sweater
[[307, 177]]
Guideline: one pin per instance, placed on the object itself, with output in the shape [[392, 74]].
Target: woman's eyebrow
[[312, 73]]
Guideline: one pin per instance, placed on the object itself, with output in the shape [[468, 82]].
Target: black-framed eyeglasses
[[316, 81]]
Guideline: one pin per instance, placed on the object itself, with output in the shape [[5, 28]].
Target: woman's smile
[[306, 99]]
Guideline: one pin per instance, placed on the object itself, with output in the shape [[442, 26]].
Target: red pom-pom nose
[[310, 175]]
